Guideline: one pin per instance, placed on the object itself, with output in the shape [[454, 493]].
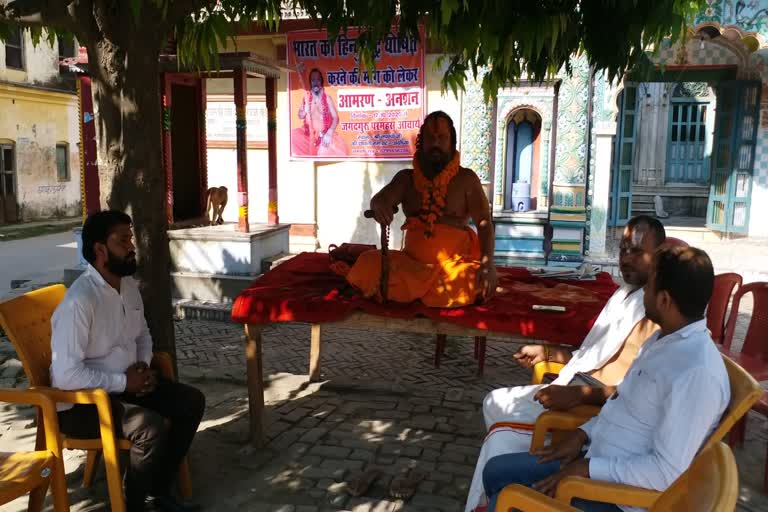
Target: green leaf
[[136, 8]]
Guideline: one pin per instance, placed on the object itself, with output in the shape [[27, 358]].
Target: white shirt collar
[[687, 331], [98, 279]]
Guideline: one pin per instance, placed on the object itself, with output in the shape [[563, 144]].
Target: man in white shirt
[[604, 355], [100, 339], [670, 401]]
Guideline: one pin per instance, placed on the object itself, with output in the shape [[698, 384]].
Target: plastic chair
[[543, 369], [26, 320], [754, 352], [761, 407], [32, 472], [725, 284], [711, 484], [745, 392]]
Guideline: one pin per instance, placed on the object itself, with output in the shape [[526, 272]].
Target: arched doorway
[[521, 165]]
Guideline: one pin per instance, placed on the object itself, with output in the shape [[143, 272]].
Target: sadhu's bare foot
[[360, 484], [404, 487]]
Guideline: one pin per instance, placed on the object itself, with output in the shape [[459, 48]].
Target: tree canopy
[[510, 38]]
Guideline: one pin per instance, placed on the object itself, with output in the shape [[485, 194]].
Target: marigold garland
[[433, 191]]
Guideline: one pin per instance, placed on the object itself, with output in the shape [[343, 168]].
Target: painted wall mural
[[476, 129], [750, 15], [571, 148]]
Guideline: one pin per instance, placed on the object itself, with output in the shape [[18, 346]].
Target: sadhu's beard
[[434, 161]]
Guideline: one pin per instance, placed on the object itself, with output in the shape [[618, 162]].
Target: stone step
[[188, 309], [202, 286], [671, 191], [272, 262]]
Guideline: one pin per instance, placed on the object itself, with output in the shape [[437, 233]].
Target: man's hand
[[151, 383], [560, 398], [487, 281], [548, 485], [382, 212], [138, 377], [326, 139], [566, 451], [530, 355]]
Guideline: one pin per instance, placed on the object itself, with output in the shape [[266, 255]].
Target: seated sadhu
[[444, 263]]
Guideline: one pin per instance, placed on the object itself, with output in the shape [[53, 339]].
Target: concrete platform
[[204, 286], [223, 250]]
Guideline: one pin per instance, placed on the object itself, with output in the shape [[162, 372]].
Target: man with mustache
[[445, 263], [590, 373], [101, 340], [658, 418]]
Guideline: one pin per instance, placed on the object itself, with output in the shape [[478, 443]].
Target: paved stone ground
[[381, 404]]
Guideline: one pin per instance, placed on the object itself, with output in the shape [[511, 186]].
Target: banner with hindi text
[[340, 111]]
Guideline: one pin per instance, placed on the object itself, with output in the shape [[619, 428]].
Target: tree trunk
[[123, 63]]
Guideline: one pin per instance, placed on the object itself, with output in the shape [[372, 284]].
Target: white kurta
[[516, 405]]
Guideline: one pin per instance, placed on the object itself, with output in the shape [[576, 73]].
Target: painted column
[[89, 169], [272, 216], [601, 188], [241, 100], [165, 92], [202, 101]]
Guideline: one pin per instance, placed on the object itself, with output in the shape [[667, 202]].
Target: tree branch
[[181, 8], [54, 14]]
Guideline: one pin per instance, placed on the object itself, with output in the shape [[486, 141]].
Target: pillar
[[271, 83], [165, 92], [89, 170], [601, 189], [241, 101]]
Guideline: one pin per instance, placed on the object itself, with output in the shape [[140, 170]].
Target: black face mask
[[122, 267]]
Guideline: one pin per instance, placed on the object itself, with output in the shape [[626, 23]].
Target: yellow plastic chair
[[26, 320], [544, 368], [745, 391], [552, 422], [32, 472], [711, 484]]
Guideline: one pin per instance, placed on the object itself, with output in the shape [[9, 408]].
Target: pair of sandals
[[403, 487]]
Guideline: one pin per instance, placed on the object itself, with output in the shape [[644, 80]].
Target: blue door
[[738, 104], [687, 154], [623, 158]]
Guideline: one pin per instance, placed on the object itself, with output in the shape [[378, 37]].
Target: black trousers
[[160, 426]]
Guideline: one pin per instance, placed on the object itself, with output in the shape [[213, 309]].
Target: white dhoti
[[504, 405], [502, 440], [516, 405], [512, 405]]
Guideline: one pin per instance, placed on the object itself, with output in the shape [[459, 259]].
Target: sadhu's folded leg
[[409, 279]]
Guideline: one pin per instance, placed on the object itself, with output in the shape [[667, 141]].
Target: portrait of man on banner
[[342, 110], [317, 137]]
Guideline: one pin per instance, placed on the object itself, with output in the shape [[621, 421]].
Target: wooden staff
[[384, 282]]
